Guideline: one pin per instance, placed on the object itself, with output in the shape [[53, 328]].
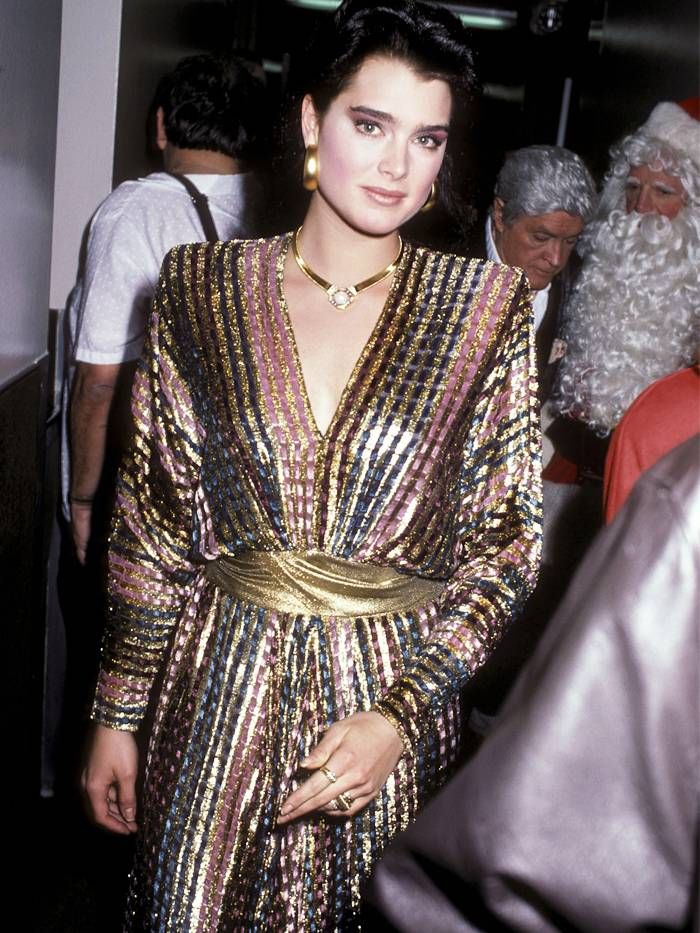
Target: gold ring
[[344, 801], [330, 775]]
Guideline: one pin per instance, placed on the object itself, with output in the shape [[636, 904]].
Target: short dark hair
[[425, 36], [212, 102]]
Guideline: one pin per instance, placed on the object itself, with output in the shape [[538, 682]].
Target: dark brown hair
[[427, 37]]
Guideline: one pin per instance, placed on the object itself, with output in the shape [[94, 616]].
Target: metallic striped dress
[[267, 580]]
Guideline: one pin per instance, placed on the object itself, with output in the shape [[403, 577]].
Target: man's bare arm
[[91, 404]]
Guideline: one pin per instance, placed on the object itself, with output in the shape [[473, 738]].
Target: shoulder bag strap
[[201, 204]]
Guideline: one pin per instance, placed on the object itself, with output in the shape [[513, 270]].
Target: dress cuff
[[120, 702], [393, 715]]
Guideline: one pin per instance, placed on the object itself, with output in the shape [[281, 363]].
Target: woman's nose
[[394, 160]]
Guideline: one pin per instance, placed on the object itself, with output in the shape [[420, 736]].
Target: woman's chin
[[379, 224]]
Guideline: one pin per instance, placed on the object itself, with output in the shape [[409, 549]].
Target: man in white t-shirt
[[207, 111]]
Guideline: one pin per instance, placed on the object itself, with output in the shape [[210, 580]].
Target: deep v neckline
[[367, 347]]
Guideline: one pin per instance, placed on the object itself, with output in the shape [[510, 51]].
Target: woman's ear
[[310, 121]]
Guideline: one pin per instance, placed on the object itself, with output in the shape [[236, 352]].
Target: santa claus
[[634, 314]]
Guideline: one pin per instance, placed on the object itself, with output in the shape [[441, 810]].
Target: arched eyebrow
[[388, 118]]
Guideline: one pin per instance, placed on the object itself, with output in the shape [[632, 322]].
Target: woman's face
[[380, 143]]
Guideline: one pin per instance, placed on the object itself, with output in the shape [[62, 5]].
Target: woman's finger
[[305, 793], [326, 747], [313, 794], [318, 791], [105, 810], [358, 803], [113, 809], [326, 769], [126, 797]]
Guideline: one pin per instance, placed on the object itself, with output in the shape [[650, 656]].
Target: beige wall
[[87, 104], [29, 57]]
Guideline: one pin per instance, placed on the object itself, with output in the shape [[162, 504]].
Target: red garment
[[662, 417], [691, 106], [560, 470]]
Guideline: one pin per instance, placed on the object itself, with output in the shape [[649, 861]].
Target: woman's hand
[[360, 752], [109, 779]]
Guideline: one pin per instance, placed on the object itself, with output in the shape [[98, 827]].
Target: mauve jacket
[[580, 811]]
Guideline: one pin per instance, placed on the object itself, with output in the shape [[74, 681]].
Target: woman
[[326, 520]]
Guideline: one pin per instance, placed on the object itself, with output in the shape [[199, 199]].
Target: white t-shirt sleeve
[[117, 288]]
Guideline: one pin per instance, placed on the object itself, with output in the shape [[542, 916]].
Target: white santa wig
[[634, 315]]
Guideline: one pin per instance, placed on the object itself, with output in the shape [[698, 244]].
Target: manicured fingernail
[[285, 810], [129, 813]]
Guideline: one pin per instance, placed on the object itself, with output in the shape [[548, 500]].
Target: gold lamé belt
[[313, 583]]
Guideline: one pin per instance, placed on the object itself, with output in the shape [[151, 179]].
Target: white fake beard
[[633, 316]]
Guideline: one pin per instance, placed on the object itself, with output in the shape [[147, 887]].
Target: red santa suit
[[662, 417]]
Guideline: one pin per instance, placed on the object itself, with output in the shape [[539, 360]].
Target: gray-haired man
[[543, 198]]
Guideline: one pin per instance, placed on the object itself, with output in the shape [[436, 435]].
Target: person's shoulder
[[131, 199], [668, 388], [463, 261], [475, 270], [222, 251], [663, 396], [134, 190]]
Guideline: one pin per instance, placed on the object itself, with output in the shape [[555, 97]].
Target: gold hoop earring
[[311, 167], [432, 198]]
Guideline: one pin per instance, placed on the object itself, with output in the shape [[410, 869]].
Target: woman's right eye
[[368, 127]]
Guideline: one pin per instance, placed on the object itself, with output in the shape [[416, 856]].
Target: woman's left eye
[[429, 142], [367, 127]]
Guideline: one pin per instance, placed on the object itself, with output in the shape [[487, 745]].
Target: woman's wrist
[[394, 722]]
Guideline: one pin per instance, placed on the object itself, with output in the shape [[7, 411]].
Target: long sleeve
[[498, 533], [150, 570]]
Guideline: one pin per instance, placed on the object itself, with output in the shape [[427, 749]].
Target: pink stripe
[[450, 403], [298, 485], [287, 347], [239, 777], [257, 342], [301, 489]]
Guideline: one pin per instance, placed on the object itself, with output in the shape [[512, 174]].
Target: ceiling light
[[475, 16]]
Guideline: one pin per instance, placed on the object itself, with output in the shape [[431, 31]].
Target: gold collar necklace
[[342, 296]]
